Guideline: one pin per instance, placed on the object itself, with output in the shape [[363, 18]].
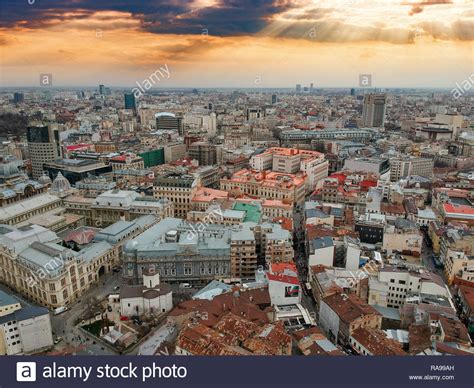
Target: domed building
[[61, 186], [9, 170], [45, 179], [15, 184]]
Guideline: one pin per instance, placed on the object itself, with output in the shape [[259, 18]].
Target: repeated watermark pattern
[[462, 88], [212, 217], [152, 80]]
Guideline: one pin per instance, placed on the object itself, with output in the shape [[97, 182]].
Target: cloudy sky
[[247, 43]]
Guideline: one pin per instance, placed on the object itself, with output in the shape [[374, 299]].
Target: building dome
[[45, 179], [60, 185], [9, 169]]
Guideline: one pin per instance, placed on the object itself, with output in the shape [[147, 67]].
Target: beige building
[[33, 263], [174, 151], [28, 208], [402, 168], [410, 243], [179, 189], [267, 185], [291, 161], [127, 162], [458, 264], [115, 205]]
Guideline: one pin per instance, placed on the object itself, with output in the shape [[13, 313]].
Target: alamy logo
[[26, 371]]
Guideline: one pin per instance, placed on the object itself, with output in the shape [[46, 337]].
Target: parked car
[[57, 340], [59, 310], [109, 308]]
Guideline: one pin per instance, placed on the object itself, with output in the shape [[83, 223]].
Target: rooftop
[[377, 343], [350, 307]]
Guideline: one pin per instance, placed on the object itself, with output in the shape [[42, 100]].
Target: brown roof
[[234, 335], [349, 307], [270, 339], [318, 268], [419, 338], [315, 231], [300, 334], [310, 343], [231, 324], [446, 349], [142, 291], [250, 304], [468, 296], [199, 339], [376, 342], [454, 330], [387, 208]]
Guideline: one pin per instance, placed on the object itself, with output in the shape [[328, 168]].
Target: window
[[188, 268]]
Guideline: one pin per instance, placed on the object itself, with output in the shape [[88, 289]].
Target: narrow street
[[63, 324]]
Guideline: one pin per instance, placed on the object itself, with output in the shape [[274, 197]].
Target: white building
[[23, 330], [352, 256], [283, 284], [393, 285], [321, 252], [150, 298]]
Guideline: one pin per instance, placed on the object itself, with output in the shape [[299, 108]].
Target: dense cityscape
[[232, 221]]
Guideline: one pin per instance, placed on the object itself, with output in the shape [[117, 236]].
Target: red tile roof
[[283, 278], [349, 307], [376, 342], [460, 210]]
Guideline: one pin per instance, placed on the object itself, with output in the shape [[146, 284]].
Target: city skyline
[[237, 44]]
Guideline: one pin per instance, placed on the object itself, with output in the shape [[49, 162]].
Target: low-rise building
[[149, 298], [24, 329], [115, 205], [127, 161], [373, 342], [283, 284], [403, 237], [321, 251], [458, 264], [269, 185], [20, 211], [179, 251], [35, 264], [458, 213], [393, 285], [233, 335], [341, 314]]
